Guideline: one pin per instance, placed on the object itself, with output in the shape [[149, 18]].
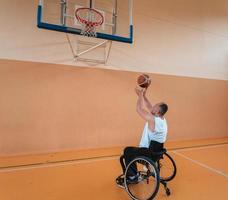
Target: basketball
[[144, 81]]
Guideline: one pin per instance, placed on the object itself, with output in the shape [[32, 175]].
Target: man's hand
[[139, 91]]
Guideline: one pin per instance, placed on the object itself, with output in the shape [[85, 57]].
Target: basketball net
[[90, 19]]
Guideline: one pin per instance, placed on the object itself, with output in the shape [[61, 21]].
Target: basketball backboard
[[59, 15]]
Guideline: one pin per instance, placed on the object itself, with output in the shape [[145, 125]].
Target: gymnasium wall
[[48, 107], [174, 37], [49, 103]]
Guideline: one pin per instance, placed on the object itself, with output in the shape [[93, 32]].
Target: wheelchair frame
[[155, 162]]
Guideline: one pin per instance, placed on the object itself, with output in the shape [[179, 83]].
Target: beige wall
[[174, 37], [47, 107]]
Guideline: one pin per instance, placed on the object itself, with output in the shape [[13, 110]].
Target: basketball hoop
[[90, 20]]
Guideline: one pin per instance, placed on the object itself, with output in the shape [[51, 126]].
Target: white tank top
[[159, 134]]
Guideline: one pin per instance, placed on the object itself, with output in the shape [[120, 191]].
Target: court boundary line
[[89, 159], [55, 164], [201, 164], [200, 147]]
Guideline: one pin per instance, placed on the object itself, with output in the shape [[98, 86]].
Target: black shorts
[[131, 153]]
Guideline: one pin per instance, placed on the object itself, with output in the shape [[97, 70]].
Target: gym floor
[[202, 173], [64, 122]]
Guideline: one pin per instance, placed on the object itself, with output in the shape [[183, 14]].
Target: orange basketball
[[144, 80]]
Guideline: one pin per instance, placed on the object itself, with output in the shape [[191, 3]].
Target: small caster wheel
[[120, 181], [167, 191]]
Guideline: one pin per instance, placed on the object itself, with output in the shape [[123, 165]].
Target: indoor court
[[75, 76]]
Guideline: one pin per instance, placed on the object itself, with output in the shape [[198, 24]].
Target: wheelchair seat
[[155, 156]]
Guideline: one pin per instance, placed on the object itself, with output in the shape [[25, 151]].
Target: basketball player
[[153, 137]]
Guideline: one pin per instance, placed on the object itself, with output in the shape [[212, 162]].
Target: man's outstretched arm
[[147, 116], [148, 104]]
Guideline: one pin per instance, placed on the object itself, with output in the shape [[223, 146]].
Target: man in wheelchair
[[153, 137]]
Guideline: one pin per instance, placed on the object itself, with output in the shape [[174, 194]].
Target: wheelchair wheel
[[146, 186], [167, 167]]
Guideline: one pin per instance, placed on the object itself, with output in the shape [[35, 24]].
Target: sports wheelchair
[[160, 168]]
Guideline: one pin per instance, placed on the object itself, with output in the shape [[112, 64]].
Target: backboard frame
[[74, 30]]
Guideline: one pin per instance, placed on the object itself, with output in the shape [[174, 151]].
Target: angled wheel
[[145, 185], [167, 167]]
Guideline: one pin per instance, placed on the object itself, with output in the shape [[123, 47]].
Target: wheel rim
[[148, 185], [167, 168]]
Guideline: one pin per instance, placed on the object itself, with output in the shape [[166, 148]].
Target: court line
[[200, 147], [201, 164], [54, 164], [89, 160]]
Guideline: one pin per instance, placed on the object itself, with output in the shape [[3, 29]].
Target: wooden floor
[[202, 174]]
